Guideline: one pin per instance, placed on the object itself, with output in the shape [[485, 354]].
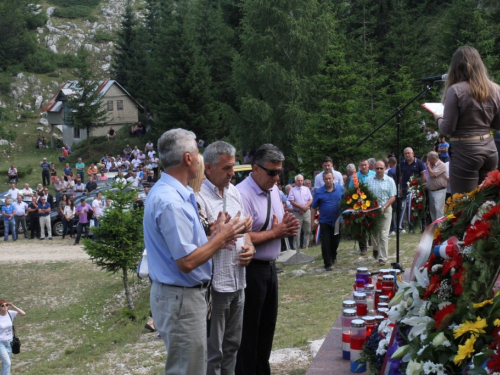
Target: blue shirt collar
[[184, 191]]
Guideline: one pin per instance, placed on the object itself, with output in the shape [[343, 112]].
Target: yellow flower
[[368, 203], [349, 201], [355, 196], [356, 206], [472, 327], [363, 206], [450, 216], [482, 304], [363, 196], [496, 323], [465, 351], [472, 193]]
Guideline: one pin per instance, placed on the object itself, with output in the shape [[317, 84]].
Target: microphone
[[435, 78]]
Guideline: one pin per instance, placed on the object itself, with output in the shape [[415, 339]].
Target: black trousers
[[79, 227], [34, 226], [259, 320], [46, 177], [329, 243]]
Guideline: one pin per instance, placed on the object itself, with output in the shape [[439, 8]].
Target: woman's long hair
[[196, 182], [466, 65], [72, 205]]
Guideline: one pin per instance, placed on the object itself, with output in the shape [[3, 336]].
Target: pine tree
[[87, 110], [283, 45]]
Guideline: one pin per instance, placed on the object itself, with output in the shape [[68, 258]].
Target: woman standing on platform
[[471, 110]]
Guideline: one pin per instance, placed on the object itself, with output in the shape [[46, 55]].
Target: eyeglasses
[[379, 169], [271, 172], [4, 305]]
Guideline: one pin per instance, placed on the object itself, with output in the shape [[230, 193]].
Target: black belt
[[439, 189], [199, 286], [263, 262]]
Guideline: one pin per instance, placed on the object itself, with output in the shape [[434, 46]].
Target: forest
[[311, 76]]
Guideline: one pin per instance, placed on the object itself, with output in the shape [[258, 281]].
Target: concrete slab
[[285, 255]]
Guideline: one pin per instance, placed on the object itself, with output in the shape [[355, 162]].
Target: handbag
[[16, 343], [142, 268]]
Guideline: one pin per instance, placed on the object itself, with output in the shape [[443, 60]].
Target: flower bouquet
[[360, 210], [447, 320], [415, 199]]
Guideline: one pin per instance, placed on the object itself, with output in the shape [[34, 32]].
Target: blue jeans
[[5, 356], [9, 226]]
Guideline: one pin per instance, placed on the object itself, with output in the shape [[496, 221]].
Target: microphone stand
[[398, 114]]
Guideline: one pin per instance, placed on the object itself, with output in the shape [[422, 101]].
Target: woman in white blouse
[[68, 218]]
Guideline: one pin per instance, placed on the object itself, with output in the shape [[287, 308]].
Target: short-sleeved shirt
[[67, 171], [173, 230], [362, 177], [13, 193], [91, 186], [300, 195], [20, 208], [383, 189], [228, 276], [408, 170], [33, 214], [337, 179], [444, 154], [83, 218], [80, 165], [27, 195], [6, 325], [255, 203], [97, 207], [44, 207], [79, 189], [45, 166], [328, 203], [9, 210]]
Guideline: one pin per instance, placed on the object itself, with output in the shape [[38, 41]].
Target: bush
[[66, 60], [36, 20], [41, 61], [71, 3], [22, 172], [101, 37], [77, 11]]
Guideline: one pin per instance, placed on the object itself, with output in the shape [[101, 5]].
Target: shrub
[[76, 11], [71, 3], [22, 172], [36, 20], [66, 60], [101, 37], [41, 61]]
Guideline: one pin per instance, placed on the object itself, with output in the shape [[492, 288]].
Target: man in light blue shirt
[[179, 255], [384, 188]]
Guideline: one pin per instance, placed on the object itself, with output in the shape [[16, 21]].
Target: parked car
[[55, 221]]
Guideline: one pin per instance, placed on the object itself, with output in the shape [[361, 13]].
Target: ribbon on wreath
[[447, 248]]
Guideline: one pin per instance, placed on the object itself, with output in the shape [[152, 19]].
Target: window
[[119, 105], [76, 133], [110, 105]]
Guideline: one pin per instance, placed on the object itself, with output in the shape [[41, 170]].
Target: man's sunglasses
[[271, 172]]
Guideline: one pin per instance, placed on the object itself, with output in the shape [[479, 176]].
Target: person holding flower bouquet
[[362, 175], [385, 190]]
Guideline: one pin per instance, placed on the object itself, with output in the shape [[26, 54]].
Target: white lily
[[419, 325], [422, 277]]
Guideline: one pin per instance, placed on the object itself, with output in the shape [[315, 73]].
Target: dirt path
[[24, 250]]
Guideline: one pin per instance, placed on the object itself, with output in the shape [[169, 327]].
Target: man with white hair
[[179, 255], [437, 180], [301, 199]]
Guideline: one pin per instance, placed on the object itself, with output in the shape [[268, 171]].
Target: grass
[[75, 322]]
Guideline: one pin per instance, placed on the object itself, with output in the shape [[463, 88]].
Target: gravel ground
[[24, 250]]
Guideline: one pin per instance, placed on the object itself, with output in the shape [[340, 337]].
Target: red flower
[[491, 214], [454, 262], [476, 231], [444, 315], [375, 204], [347, 222], [459, 277], [420, 194], [434, 284], [374, 214], [420, 206], [348, 198], [430, 261], [414, 182], [494, 363], [413, 203], [492, 179]]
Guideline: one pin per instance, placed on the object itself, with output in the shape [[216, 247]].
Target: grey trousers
[[437, 199], [180, 318], [225, 331], [305, 223], [21, 221], [380, 240], [470, 163]]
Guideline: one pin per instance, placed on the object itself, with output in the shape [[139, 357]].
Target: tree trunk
[[88, 142], [127, 289]]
